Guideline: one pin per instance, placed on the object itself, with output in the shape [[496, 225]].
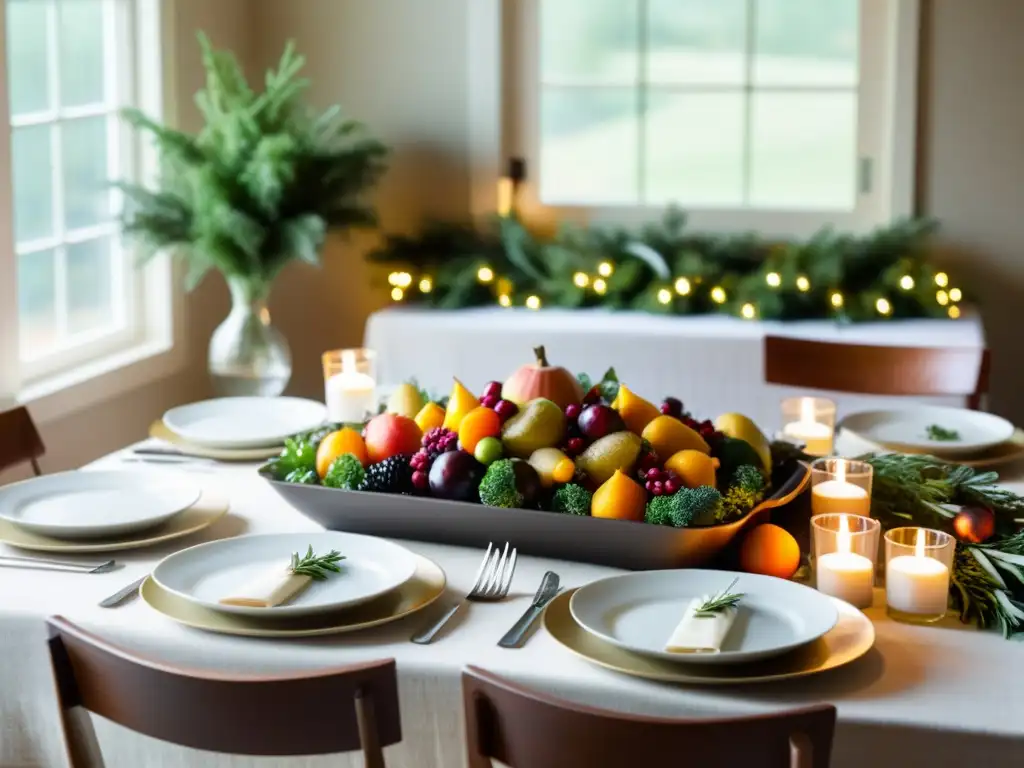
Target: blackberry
[[393, 475]]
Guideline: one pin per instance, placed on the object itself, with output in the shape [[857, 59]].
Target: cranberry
[[653, 473], [575, 446], [572, 411], [506, 409], [671, 486], [493, 389], [657, 488]]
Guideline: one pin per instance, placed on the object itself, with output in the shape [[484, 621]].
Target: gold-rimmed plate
[[851, 638], [209, 509], [161, 431], [426, 585], [998, 455]]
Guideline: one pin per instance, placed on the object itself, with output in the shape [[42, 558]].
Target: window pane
[[27, 55], [37, 317], [86, 180], [695, 149], [81, 52], [807, 42], [589, 145], [90, 277], [804, 150], [589, 40], [33, 187], [700, 42]]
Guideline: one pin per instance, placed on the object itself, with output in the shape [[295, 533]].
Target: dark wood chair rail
[[20, 440], [527, 729], [317, 713], [877, 370]]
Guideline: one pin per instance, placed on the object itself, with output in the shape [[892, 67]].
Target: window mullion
[[642, 97], [748, 98], [53, 13]]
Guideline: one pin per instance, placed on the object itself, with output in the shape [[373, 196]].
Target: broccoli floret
[[684, 508], [571, 499], [346, 471], [748, 478], [744, 493], [303, 477], [498, 488]]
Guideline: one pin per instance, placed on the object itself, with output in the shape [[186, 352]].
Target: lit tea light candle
[[844, 573], [835, 496], [350, 394], [817, 437], [917, 584]]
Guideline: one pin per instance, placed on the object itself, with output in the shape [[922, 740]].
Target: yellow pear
[[668, 435], [743, 428], [406, 401], [695, 468], [461, 402], [619, 498], [430, 416], [634, 410]]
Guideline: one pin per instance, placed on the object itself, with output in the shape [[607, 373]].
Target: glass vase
[[248, 355]]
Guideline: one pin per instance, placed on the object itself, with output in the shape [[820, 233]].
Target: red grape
[[575, 446], [506, 409], [572, 411], [493, 389]]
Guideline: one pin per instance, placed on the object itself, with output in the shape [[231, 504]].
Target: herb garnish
[[317, 567], [941, 434], [718, 603]]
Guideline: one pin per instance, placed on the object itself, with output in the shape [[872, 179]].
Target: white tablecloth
[[715, 364], [924, 696]]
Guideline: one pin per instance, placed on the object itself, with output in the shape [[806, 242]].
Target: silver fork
[[493, 581]]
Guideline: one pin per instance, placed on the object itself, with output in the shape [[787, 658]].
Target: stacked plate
[[378, 582], [102, 511], [781, 629], [973, 438], [238, 428]]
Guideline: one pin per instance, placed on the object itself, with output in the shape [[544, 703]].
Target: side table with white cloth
[[714, 363], [929, 696]]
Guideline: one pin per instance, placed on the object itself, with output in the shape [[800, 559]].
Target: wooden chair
[[19, 440], [316, 713], [525, 729], [871, 370]]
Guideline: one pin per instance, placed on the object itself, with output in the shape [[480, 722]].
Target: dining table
[[935, 696]]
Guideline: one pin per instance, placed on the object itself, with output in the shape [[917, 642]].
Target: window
[[769, 114], [71, 65]]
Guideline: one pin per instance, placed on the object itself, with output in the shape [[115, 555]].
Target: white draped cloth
[[924, 696]]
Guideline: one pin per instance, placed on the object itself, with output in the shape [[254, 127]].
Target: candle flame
[[348, 361], [506, 196], [843, 538], [840, 470], [919, 543], [807, 410]]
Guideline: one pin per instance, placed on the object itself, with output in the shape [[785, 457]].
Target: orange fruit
[[668, 435], [693, 467], [335, 444], [619, 498], [771, 551], [634, 410], [479, 423]]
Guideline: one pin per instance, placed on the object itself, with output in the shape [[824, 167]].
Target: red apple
[[390, 435], [596, 421]]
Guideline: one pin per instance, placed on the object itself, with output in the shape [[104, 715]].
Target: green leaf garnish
[[717, 603], [317, 567], [941, 434]]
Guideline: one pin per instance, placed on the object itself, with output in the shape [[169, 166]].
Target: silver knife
[[124, 594], [516, 637]]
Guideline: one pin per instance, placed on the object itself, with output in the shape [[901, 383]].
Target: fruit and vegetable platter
[[558, 463]]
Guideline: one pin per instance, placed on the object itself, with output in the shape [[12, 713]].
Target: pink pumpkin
[[540, 379]]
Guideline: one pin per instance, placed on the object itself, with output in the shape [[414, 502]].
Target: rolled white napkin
[[701, 635], [276, 586]]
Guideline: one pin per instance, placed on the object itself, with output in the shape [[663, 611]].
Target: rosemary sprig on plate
[[718, 603], [317, 567], [940, 434]]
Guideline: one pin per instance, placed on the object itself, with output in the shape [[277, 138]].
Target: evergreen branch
[[317, 567], [719, 602]]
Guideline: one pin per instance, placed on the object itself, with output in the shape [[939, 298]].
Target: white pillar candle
[[817, 437], [917, 584], [844, 573], [838, 496], [350, 395]]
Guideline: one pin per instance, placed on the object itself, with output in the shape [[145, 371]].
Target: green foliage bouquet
[[261, 184]]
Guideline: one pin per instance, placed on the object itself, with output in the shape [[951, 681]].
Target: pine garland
[[667, 269]]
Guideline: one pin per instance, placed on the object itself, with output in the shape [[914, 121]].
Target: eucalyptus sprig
[[717, 603], [317, 567]]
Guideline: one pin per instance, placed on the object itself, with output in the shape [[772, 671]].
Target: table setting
[[370, 534]]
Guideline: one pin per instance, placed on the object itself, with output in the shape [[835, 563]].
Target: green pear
[[613, 453], [541, 424], [405, 401]]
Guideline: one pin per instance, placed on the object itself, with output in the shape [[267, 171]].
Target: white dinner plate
[[82, 505], [206, 573], [244, 422], [639, 611], [907, 429]]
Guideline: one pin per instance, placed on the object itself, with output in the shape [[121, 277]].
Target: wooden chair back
[[19, 440], [317, 713], [877, 370], [525, 729]]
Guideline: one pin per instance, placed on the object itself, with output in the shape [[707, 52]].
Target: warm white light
[[683, 286], [955, 294], [837, 300], [803, 284], [883, 306], [665, 296], [840, 471], [954, 313], [774, 279], [919, 543], [581, 279], [844, 541], [600, 286], [907, 283], [605, 269], [505, 300], [506, 196], [718, 295], [942, 297], [942, 279], [533, 302], [394, 278], [485, 274], [426, 285], [397, 294], [748, 311]]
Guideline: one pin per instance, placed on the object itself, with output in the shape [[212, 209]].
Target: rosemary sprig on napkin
[[317, 567], [718, 603]]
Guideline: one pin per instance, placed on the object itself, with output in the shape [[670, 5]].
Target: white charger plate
[[907, 429], [206, 573], [639, 611], [244, 422], [89, 505]]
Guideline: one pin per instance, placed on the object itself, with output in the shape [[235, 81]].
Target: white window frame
[[151, 347], [890, 31]]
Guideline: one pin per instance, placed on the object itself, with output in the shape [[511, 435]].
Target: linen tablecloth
[[924, 696], [714, 363]]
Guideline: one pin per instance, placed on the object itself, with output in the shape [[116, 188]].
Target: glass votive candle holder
[[350, 384], [841, 486], [811, 421], [844, 551], [918, 564]]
